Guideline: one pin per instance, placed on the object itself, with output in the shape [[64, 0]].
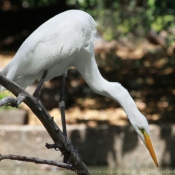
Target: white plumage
[[54, 46], [68, 40]]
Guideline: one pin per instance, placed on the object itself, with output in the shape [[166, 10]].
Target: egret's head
[[142, 129]]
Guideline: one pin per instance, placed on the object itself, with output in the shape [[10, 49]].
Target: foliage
[[4, 94], [118, 18], [33, 3]]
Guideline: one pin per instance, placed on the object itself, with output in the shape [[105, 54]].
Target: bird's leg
[[63, 117], [36, 93], [62, 107]]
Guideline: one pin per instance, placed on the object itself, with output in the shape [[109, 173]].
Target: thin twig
[[35, 160], [8, 101], [12, 101]]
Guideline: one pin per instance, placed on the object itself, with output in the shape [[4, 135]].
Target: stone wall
[[116, 146]]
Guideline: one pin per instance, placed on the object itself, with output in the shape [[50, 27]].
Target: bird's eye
[[142, 130]]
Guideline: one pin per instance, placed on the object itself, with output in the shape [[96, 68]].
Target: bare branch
[[8, 101], [54, 131], [35, 160]]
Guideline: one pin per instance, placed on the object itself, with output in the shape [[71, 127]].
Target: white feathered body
[[54, 47]]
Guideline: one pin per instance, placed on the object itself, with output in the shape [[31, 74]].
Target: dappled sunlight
[[76, 115]]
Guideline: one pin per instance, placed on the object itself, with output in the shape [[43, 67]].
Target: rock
[[13, 117], [116, 146]]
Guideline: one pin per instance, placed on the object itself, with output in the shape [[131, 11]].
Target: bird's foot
[[12, 101], [73, 152]]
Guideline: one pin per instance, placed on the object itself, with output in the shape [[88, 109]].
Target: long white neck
[[88, 69]]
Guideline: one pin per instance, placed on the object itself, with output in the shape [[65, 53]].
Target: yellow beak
[[150, 148]]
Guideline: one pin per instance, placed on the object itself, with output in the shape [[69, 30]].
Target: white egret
[[68, 40]]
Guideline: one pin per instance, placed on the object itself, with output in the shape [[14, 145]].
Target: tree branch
[[54, 131], [8, 101], [35, 160]]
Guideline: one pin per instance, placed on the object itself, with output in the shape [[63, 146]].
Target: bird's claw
[[21, 97], [69, 147], [72, 151], [62, 153]]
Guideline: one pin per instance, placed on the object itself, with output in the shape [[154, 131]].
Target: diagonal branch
[[54, 131], [35, 160]]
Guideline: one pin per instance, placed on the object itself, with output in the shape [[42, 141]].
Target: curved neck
[[89, 70]]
